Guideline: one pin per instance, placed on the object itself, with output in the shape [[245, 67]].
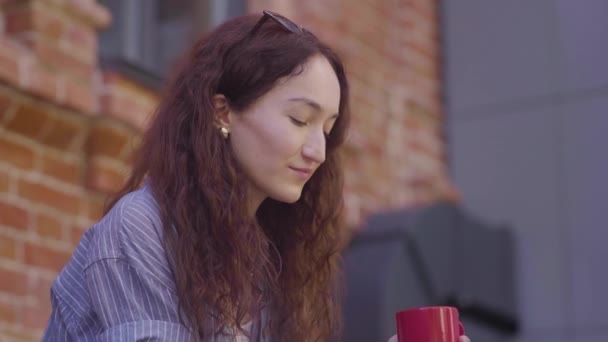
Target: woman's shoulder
[[136, 212], [132, 229], [124, 246]]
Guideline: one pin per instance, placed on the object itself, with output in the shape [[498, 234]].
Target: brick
[[79, 95], [13, 282], [117, 84], [50, 25], [44, 257], [93, 12], [62, 132], [8, 247], [14, 153], [126, 109], [426, 8], [103, 178], [9, 66], [75, 236], [95, 207], [69, 171], [425, 47], [29, 120], [48, 227], [18, 334], [128, 154], [62, 60], [420, 64], [13, 216], [40, 290], [9, 313], [81, 36], [5, 103], [39, 287], [4, 182], [41, 82], [447, 191], [422, 25], [18, 20], [36, 317], [430, 50], [35, 19], [45, 195], [106, 140], [420, 116], [82, 41], [427, 139]]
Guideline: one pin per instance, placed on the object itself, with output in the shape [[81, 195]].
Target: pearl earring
[[225, 132]]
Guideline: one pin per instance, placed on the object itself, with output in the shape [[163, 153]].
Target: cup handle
[[461, 329]]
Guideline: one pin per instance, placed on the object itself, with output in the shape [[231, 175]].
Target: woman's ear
[[223, 115]]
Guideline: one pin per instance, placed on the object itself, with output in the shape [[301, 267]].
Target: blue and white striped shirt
[[118, 285]]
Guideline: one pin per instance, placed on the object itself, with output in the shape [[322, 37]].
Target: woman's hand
[[462, 339]]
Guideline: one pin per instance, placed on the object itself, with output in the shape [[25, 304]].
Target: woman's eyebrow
[[312, 104]]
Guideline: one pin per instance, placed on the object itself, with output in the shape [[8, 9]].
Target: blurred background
[[474, 171]]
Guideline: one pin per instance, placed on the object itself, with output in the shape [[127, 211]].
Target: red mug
[[429, 324]]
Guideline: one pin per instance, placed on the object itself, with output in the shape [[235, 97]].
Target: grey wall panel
[[594, 335], [506, 169], [547, 335], [500, 51], [583, 31], [542, 170], [586, 171]]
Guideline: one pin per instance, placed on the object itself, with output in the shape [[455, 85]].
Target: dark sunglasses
[[279, 19]]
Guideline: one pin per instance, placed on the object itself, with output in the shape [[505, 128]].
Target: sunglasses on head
[[279, 19], [268, 15]]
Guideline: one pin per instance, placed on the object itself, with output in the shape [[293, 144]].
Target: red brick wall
[[67, 129], [66, 133]]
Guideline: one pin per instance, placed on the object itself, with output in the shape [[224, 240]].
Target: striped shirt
[[118, 285]]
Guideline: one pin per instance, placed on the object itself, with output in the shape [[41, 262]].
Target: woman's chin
[[288, 196]]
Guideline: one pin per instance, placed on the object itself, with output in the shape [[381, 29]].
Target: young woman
[[228, 228]]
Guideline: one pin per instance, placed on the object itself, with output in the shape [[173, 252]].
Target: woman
[[228, 227]]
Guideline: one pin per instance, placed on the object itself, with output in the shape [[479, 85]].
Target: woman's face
[[279, 141]]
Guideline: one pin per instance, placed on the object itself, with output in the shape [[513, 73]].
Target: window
[[146, 36]]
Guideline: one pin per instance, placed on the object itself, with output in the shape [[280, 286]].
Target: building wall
[[67, 128], [527, 90]]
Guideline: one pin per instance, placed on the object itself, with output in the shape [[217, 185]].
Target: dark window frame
[[134, 45]]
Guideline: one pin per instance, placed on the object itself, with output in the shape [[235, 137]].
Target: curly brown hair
[[228, 266]]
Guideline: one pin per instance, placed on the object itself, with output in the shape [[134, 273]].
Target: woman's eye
[[298, 122]]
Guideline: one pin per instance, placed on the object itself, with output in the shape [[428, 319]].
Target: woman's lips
[[303, 173]]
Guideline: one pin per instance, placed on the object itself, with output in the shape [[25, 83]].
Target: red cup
[[429, 324]]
